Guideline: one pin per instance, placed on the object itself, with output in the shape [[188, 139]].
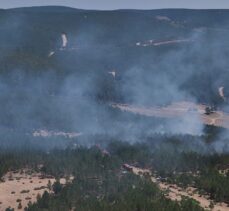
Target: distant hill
[[188, 46], [44, 9]]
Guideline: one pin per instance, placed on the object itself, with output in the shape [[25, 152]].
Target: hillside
[[28, 35], [58, 58], [114, 110]]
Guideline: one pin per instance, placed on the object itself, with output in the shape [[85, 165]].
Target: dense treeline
[[166, 153], [101, 182], [111, 193]]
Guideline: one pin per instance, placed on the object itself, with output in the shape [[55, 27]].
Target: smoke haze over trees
[[73, 81]]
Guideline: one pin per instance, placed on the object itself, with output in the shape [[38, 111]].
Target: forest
[[101, 183], [142, 58]]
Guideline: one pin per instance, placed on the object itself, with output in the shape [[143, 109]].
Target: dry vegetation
[[22, 187], [176, 193]]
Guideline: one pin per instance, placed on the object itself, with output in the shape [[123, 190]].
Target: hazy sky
[[119, 4]]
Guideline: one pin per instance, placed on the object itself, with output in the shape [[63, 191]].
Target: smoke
[[162, 84], [74, 92]]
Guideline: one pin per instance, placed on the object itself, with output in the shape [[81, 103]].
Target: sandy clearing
[[176, 193], [64, 40], [23, 180], [179, 110]]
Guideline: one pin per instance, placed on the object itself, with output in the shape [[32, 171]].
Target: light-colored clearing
[[46, 133], [27, 181], [221, 93], [165, 42], [176, 193], [64, 40], [178, 110]]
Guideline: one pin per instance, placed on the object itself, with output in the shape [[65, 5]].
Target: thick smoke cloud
[[149, 76]]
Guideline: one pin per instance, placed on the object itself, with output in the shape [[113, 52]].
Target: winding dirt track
[[179, 110]]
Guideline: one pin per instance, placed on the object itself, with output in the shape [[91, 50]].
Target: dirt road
[[159, 43], [179, 110]]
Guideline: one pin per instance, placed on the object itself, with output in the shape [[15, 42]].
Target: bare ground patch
[[178, 110], [176, 193], [23, 186]]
